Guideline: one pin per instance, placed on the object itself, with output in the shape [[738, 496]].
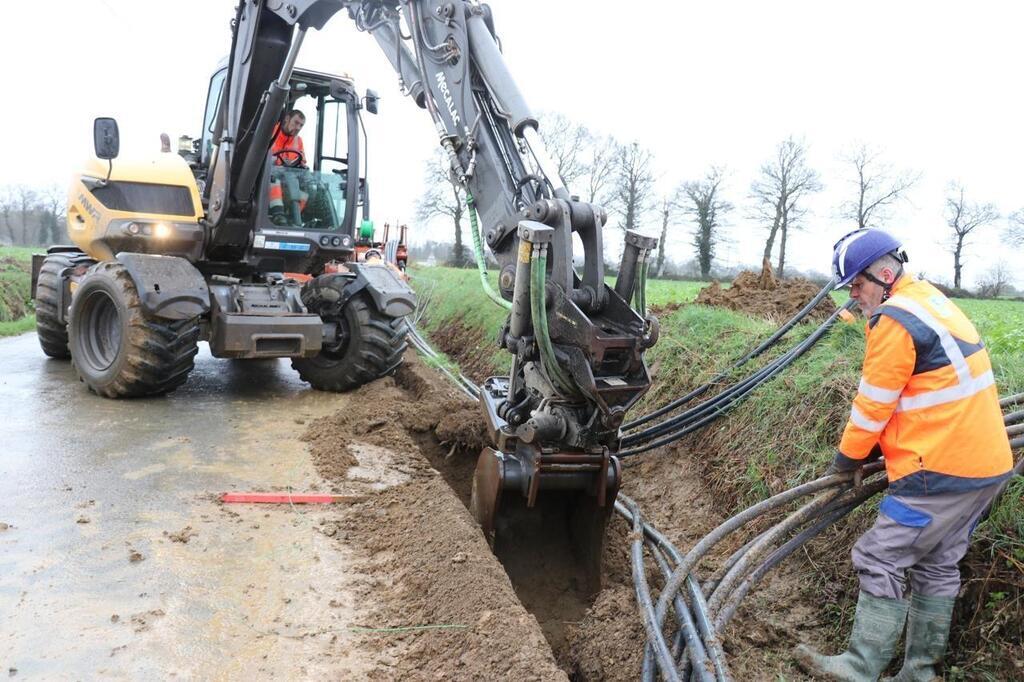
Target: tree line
[[622, 178], [32, 216]]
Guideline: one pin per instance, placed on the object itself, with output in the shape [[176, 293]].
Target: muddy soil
[[766, 295], [434, 567], [438, 603], [469, 347]]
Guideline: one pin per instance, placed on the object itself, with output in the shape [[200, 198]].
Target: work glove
[[842, 464]]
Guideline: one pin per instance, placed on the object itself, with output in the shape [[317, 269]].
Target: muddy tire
[[120, 352], [52, 333], [371, 344]]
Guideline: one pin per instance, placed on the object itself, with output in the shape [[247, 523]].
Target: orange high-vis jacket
[[282, 142], [927, 397]]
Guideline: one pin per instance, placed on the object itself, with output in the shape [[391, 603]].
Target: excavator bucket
[[544, 514]]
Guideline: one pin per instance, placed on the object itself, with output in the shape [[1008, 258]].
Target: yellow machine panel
[[147, 206]]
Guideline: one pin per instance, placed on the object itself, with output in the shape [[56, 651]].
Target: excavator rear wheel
[[118, 350], [370, 344], [52, 332]]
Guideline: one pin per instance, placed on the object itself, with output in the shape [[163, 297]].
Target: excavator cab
[[307, 206]]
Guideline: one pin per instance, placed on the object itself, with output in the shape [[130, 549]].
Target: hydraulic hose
[[1013, 417], [538, 310], [478, 252]]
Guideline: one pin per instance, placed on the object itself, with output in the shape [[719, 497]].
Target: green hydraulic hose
[[640, 294], [538, 310], [478, 250]]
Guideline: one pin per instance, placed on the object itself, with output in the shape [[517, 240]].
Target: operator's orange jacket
[[927, 397], [282, 142]]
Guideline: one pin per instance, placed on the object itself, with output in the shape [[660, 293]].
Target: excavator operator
[[287, 150]]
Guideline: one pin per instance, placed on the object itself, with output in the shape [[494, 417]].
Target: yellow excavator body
[[141, 206]]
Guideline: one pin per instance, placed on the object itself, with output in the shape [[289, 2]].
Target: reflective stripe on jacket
[[282, 142], [927, 397]]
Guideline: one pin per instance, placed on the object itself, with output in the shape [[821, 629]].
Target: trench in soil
[[592, 637], [535, 552]]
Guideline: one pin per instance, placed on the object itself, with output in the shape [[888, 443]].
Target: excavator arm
[[577, 343]]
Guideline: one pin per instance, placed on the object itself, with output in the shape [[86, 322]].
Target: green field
[[15, 280], [787, 431]]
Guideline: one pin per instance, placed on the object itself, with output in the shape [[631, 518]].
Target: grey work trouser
[[926, 535]]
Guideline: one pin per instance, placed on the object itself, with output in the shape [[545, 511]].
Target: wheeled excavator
[[577, 343]]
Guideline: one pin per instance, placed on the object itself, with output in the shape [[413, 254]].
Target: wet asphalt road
[[87, 484]]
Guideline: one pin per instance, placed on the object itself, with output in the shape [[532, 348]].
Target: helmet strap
[[886, 287]]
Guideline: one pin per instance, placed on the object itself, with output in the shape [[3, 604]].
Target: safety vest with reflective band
[[284, 142], [927, 397]]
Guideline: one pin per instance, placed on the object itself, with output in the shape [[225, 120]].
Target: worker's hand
[[842, 465]]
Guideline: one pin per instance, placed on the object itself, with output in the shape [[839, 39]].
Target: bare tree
[[1015, 230], [569, 144], [778, 193], [25, 202], [703, 202], [6, 210], [443, 198], [53, 201], [600, 176], [964, 217], [632, 195], [668, 206], [996, 281], [877, 185]]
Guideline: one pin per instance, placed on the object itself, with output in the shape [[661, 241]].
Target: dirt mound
[[766, 295], [437, 573], [439, 604]]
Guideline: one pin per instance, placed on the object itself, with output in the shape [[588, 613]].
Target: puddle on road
[[254, 592]]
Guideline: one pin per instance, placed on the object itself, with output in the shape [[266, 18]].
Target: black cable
[[753, 380], [713, 409], [762, 347]]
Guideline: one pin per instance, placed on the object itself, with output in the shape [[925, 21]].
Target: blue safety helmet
[[859, 249]]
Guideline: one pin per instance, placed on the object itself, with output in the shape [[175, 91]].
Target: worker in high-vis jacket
[[927, 403], [287, 150]]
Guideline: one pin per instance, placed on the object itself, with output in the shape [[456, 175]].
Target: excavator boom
[[577, 344]]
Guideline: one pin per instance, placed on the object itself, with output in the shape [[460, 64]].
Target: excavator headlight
[[162, 231], [133, 228]]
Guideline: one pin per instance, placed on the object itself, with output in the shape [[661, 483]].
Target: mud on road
[[112, 536]]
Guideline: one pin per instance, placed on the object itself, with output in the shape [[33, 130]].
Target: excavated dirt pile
[[766, 295], [429, 569], [438, 604]]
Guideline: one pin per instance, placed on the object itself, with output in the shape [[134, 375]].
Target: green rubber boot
[[876, 629], [927, 635]]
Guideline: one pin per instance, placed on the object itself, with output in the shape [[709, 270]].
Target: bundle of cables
[[693, 648], [639, 440]]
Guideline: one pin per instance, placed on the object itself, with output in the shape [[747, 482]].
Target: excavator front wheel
[[118, 350], [369, 344]]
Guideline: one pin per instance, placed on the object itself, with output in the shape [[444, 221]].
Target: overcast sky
[[934, 85]]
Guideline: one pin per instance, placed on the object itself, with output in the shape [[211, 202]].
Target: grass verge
[[786, 433], [15, 296]]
